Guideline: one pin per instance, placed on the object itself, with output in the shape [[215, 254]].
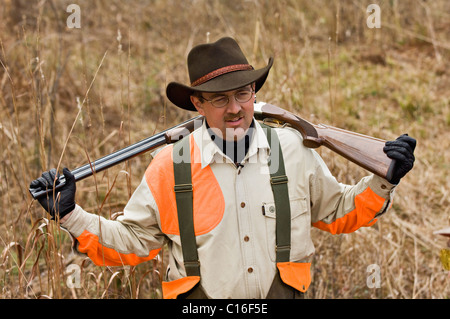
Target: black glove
[[402, 151], [64, 197]]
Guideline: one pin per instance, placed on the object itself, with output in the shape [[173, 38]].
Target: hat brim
[[179, 94]]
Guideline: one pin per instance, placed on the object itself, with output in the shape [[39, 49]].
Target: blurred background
[[70, 95]]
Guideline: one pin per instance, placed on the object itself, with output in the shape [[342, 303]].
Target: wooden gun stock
[[363, 150]]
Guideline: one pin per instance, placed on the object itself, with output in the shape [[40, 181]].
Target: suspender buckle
[[182, 188], [192, 267], [275, 180], [283, 253], [282, 248]]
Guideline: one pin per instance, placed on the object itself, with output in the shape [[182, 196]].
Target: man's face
[[232, 120]]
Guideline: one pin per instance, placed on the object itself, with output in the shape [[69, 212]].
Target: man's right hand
[[62, 201]]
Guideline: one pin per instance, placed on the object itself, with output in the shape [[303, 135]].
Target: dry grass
[[107, 82]]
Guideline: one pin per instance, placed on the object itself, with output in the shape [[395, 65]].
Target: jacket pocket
[[296, 275], [300, 228]]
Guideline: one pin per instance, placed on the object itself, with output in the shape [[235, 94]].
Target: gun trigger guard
[[312, 142]]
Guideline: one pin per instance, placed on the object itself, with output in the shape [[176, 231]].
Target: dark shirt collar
[[235, 150]]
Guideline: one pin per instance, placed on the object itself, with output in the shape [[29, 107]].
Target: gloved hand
[[402, 151], [64, 201]]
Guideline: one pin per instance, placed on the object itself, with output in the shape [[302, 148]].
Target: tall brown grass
[[73, 95]]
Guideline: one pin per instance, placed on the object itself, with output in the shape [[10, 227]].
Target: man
[[234, 227]]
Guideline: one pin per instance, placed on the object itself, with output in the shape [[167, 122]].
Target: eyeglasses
[[241, 96]]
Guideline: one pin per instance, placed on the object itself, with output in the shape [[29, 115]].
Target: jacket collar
[[211, 153]]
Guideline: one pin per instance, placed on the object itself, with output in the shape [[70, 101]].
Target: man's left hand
[[402, 151]]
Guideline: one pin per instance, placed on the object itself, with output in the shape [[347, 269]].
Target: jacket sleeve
[[133, 238], [339, 208]]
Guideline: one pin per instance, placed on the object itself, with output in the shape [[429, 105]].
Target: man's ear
[[198, 105]]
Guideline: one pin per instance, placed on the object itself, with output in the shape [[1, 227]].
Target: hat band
[[221, 71]]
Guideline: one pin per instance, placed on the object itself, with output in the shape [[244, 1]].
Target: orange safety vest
[[292, 279]]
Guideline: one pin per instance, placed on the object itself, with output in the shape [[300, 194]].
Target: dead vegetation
[[68, 96]]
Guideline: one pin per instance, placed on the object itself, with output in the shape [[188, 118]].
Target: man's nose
[[233, 105]]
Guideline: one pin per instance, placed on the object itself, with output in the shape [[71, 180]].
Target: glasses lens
[[220, 101], [243, 96]]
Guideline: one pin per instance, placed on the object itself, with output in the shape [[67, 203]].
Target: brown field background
[[68, 96]]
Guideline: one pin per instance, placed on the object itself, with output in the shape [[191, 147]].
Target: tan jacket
[[234, 215]]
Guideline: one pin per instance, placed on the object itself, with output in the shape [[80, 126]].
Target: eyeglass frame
[[252, 91]]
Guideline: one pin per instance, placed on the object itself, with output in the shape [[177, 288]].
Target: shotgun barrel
[[167, 136]]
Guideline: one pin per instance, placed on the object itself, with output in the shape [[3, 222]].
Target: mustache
[[229, 117]]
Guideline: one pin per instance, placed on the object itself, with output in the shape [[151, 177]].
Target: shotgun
[[363, 150]]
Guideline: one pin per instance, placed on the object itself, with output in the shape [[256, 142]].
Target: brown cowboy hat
[[216, 67]]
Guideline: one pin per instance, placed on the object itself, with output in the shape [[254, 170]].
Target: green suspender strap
[[184, 199], [278, 181]]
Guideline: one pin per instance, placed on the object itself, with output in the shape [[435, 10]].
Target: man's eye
[[220, 99], [243, 94]]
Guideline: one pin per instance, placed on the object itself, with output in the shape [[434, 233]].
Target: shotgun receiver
[[363, 150]]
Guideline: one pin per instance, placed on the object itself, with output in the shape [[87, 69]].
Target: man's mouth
[[234, 120]]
